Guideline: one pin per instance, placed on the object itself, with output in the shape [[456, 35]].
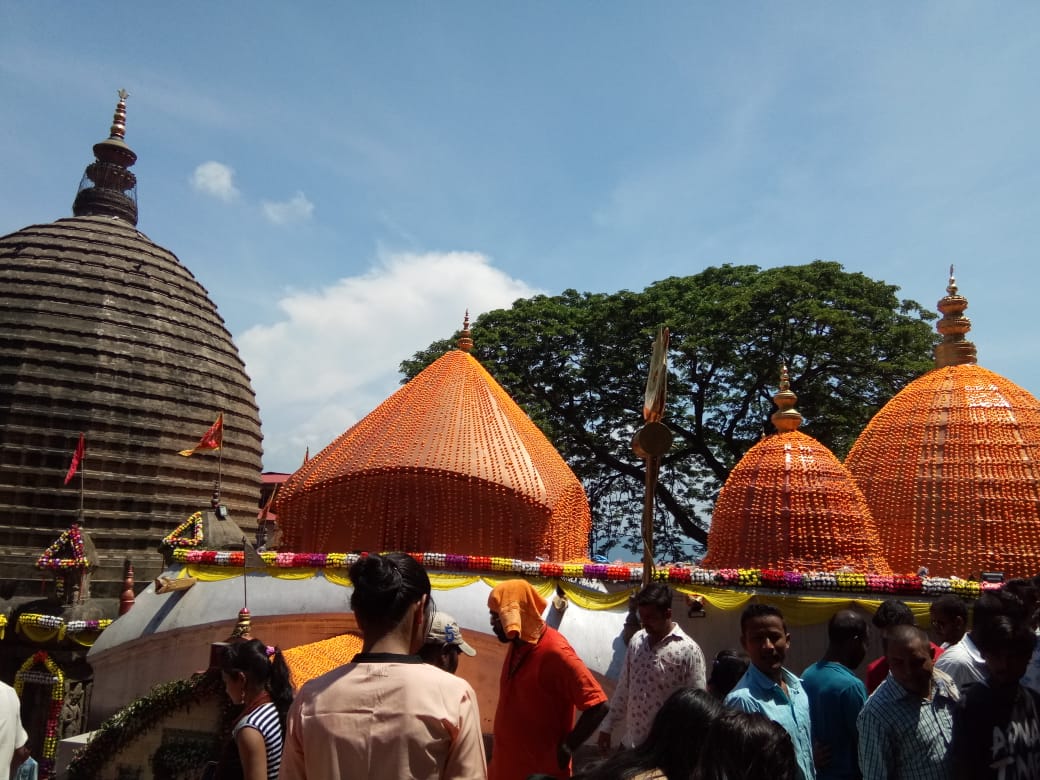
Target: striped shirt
[[904, 736], [265, 720]]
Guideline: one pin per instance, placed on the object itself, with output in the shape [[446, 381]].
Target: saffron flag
[[77, 456], [211, 439]]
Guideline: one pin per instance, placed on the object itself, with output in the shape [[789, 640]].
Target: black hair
[[656, 594], [726, 670], [251, 658], [757, 610], [1002, 602], [1026, 590], [748, 746], [846, 625], [385, 586], [893, 612], [1004, 632], [951, 606], [674, 743]]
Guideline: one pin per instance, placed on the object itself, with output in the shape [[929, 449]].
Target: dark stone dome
[[106, 333]]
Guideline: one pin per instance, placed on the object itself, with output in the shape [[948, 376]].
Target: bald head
[[909, 657]]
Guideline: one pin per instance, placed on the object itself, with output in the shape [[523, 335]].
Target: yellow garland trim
[[798, 610]]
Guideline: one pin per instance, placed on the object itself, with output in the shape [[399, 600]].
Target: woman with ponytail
[[386, 714], [257, 678]]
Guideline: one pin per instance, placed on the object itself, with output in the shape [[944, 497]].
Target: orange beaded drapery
[[448, 462], [951, 470]]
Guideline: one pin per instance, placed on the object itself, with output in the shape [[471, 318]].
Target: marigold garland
[[950, 468], [449, 461], [175, 538], [620, 572], [46, 628], [56, 678], [69, 544]]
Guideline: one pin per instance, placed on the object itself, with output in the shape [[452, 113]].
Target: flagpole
[[82, 469], [220, 454]]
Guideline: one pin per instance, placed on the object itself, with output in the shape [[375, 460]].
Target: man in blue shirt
[[767, 687], [836, 695]]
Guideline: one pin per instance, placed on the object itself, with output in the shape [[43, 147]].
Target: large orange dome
[[790, 504], [449, 463], [951, 466]]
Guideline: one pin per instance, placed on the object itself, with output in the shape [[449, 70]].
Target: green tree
[[577, 364]]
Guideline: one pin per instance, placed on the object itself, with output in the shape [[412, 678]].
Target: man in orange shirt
[[543, 682]]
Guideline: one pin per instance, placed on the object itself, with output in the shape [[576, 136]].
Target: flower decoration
[[187, 534], [407, 476], [53, 676], [66, 553]]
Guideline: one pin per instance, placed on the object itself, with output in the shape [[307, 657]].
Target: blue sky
[[346, 179]]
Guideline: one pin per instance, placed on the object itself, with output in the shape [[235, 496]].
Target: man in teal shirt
[[770, 689], [836, 695]]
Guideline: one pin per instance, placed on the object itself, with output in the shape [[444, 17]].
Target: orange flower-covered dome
[[449, 463], [951, 465], [789, 504]]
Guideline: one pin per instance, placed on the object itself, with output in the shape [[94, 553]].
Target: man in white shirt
[[12, 735], [962, 660], [661, 658]]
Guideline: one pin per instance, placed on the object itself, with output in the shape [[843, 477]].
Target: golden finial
[[465, 343], [119, 119], [786, 418], [243, 629], [955, 349]]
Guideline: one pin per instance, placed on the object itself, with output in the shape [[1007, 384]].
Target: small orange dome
[[950, 468], [790, 504], [951, 465], [449, 463]]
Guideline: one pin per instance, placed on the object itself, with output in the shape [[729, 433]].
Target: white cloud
[[334, 355], [216, 179], [296, 209]]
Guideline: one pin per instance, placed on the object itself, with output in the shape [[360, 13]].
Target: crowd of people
[[967, 707]]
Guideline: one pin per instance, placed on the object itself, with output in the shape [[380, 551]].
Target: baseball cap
[[446, 629]]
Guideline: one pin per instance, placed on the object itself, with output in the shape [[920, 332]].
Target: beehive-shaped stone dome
[[790, 504], [102, 332], [449, 463], [950, 467]]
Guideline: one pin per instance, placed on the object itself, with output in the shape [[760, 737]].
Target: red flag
[[211, 439], [77, 456]]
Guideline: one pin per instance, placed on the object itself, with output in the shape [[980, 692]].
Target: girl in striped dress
[[256, 677]]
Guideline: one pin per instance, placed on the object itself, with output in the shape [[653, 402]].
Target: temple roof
[[447, 463], [789, 504], [951, 465], [105, 333]]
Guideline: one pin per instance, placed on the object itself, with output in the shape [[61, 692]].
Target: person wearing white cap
[[444, 642]]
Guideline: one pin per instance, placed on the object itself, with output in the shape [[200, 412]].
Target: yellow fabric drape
[[451, 581], [206, 573], [337, 577], [40, 634]]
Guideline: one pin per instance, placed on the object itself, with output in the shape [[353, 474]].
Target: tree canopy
[[577, 364]]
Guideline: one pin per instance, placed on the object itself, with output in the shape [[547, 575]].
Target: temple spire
[[465, 343], [955, 349], [786, 418], [108, 188]]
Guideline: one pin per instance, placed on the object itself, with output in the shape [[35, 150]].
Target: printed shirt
[[904, 736], [963, 662], [540, 688], [755, 692], [650, 674], [996, 734], [384, 717], [836, 696]]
